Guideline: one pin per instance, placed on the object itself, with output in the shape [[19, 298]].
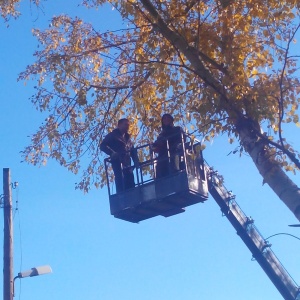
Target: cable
[[283, 233], [17, 212]]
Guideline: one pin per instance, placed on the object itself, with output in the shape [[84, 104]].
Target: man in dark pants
[[169, 147], [118, 145]]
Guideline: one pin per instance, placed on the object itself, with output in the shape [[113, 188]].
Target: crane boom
[[259, 247]]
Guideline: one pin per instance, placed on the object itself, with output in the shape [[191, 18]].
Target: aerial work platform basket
[[165, 196]]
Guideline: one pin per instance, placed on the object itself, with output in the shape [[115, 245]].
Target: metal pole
[[8, 279]]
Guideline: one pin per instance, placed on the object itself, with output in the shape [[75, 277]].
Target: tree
[[9, 8], [225, 66]]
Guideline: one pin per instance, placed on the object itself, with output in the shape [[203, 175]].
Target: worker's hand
[[156, 150], [155, 147], [114, 155]]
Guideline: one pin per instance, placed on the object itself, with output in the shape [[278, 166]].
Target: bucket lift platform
[[164, 196]]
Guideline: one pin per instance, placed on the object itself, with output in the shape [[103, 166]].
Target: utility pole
[[8, 279]]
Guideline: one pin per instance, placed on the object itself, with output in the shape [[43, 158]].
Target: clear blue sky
[[194, 255]]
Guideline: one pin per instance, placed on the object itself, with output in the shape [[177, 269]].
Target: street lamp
[[36, 271]]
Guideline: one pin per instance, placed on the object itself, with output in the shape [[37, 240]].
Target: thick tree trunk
[[271, 172]]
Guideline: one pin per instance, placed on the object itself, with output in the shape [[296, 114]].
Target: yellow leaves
[[254, 72], [275, 128], [296, 118], [289, 168], [77, 46], [9, 9], [266, 33], [138, 73]]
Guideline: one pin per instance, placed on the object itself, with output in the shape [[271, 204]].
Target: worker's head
[[123, 125], [167, 121]]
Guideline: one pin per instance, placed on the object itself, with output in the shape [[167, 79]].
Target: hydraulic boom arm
[[246, 229]]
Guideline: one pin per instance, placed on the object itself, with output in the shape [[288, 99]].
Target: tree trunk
[[269, 169]]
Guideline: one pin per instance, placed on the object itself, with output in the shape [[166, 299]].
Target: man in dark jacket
[[118, 145], [169, 147]]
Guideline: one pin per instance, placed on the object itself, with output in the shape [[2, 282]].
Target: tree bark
[[269, 169]]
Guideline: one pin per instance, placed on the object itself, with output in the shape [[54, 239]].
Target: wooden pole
[[8, 280]]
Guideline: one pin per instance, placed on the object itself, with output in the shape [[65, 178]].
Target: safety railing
[[187, 157]]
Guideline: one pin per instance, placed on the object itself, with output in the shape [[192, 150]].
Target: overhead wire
[[16, 213], [283, 233]]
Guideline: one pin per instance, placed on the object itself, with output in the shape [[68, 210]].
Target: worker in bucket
[[118, 145], [169, 147]]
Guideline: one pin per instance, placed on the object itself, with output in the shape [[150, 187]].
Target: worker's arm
[[134, 156], [160, 144], [105, 146]]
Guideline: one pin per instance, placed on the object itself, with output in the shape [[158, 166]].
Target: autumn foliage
[[218, 66]]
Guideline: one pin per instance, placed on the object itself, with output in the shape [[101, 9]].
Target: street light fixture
[[35, 271]]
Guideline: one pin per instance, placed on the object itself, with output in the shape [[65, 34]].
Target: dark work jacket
[[116, 142], [172, 134]]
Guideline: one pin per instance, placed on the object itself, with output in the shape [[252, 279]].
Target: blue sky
[[194, 255]]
